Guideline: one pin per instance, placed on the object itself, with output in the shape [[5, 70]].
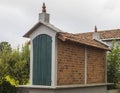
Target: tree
[[19, 64], [5, 50], [5, 46], [113, 60], [14, 63]]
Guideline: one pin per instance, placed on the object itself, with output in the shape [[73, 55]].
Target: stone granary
[[63, 62]]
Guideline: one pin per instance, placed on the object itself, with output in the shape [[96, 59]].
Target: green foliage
[[5, 51], [12, 81], [6, 87], [15, 64], [5, 46], [19, 65], [113, 60]]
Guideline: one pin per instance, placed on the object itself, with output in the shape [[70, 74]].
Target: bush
[[14, 63], [113, 66], [6, 87]]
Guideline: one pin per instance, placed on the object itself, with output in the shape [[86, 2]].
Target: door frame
[[44, 30]]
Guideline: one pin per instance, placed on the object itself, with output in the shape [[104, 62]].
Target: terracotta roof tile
[[78, 38], [87, 39], [107, 34], [110, 34]]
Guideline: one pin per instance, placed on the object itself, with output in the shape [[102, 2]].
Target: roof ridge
[[99, 31], [109, 30]]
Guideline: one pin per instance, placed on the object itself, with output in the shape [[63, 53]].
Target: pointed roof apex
[[44, 8], [95, 28]]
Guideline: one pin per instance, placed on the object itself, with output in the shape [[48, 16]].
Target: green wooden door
[[42, 47]]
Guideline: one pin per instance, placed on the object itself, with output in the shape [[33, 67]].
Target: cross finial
[[44, 8], [95, 28]]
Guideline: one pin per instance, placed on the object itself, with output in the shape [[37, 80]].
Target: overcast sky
[[75, 16]]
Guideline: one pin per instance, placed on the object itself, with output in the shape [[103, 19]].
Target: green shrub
[[113, 66], [6, 87]]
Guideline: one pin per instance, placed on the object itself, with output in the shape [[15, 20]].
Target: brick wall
[[96, 65], [70, 67], [71, 63]]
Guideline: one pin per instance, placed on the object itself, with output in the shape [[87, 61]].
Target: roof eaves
[[38, 24], [31, 30], [68, 39], [52, 27], [89, 45]]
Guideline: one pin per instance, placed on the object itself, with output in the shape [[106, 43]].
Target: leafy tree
[[113, 60], [5, 46], [14, 63], [5, 50], [19, 64]]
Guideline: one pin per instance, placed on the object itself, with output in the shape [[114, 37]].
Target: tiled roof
[[87, 38], [79, 38], [107, 34], [110, 34]]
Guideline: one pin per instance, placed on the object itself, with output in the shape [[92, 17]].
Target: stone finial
[[95, 28], [44, 8]]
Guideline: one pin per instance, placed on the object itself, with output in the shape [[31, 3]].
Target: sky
[[73, 16]]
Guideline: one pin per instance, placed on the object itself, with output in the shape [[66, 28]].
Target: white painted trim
[[31, 64], [56, 42], [100, 41], [45, 30], [106, 69], [84, 85], [64, 86], [85, 65], [53, 63], [41, 30], [36, 86], [50, 26]]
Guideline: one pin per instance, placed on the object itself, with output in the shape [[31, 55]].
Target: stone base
[[101, 89], [65, 89]]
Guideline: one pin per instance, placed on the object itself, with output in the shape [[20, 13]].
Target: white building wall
[[45, 30], [109, 42]]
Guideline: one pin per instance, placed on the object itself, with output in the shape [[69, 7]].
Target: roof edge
[[37, 25], [100, 41], [64, 39]]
